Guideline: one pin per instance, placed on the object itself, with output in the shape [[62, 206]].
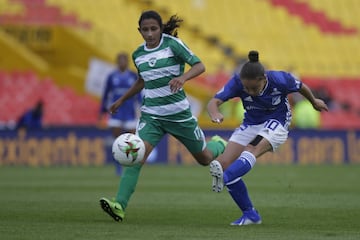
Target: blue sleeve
[[105, 94], [293, 84], [230, 90]]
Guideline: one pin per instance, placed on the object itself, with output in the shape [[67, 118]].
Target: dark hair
[[169, 27], [252, 69]]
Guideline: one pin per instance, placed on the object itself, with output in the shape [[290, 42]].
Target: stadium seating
[[317, 39], [20, 91], [311, 16], [117, 31], [288, 33], [37, 12], [308, 35]]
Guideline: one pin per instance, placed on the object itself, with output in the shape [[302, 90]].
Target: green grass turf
[[174, 202]]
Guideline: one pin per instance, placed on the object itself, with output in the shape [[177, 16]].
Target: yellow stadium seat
[[282, 38]]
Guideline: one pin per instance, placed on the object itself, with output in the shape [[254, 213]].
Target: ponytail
[[253, 69], [170, 27]]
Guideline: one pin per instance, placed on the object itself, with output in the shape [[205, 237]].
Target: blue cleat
[[249, 217]]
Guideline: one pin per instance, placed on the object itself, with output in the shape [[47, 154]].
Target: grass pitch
[[175, 202]]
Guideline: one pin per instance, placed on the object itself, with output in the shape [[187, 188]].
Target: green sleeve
[[183, 52]]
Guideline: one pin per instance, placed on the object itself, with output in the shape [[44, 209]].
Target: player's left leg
[[213, 149], [231, 178], [238, 191], [190, 134], [269, 138]]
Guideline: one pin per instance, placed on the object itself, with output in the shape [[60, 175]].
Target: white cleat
[[216, 172]]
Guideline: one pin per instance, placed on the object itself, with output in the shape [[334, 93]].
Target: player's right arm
[[230, 90], [135, 89], [213, 110], [104, 99]]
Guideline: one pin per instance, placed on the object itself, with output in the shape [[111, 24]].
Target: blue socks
[[239, 194], [234, 183], [239, 168]]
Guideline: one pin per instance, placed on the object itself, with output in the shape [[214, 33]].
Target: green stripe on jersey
[[165, 100], [157, 67], [159, 83], [179, 117]]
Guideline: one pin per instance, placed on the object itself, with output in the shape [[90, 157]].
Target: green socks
[[215, 147], [128, 182], [131, 174]]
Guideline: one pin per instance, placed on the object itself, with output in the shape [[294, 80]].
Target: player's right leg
[[231, 153], [151, 135], [265, 139], [113, 208]]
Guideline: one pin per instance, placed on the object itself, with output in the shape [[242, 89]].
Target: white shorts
[[271, 130], [126, 125]]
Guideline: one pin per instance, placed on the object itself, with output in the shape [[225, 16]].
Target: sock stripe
[[233, 181], [248, 156]]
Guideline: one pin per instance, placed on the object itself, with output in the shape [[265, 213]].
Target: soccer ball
[[128, 149]]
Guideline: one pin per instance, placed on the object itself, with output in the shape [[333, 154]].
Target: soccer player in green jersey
[[160, 62]]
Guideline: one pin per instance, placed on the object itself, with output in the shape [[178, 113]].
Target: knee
[[203, 158], [250, 148], [203, 162]]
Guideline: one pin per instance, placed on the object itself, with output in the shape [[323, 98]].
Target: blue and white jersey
[[117, 84], [272, 103]]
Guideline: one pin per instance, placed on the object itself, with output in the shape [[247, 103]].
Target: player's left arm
[[178, 82], [185, 54], [317, 103], [293, 84]]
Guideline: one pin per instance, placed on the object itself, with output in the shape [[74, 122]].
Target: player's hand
[[114, 107], [217, 118], [320, 105], [176, 84]]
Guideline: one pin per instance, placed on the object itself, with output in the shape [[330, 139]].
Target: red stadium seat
[[340, 120], [62, 105]]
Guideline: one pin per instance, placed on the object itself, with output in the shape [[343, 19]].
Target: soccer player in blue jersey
[[32, 119], [117, 83], [264, 128], [160, 62]]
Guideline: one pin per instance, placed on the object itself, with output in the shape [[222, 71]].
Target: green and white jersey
[[157, 67]]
